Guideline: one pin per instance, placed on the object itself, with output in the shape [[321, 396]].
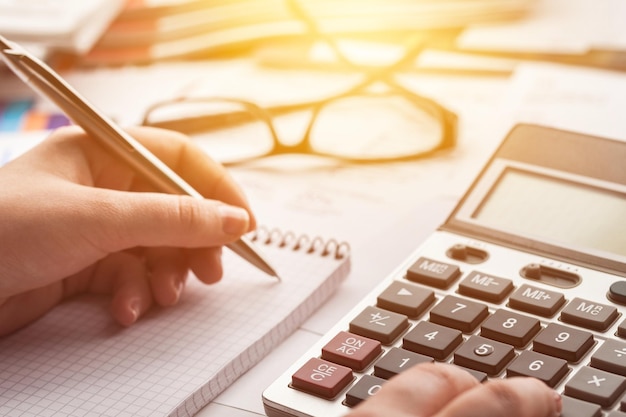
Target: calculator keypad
[[483, 323]]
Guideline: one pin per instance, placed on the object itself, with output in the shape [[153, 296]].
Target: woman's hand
[[75, 219], [442, 390]]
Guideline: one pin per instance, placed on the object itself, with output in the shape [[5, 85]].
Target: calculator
[[526, 277]]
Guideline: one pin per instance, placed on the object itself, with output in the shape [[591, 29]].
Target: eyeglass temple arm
[[413, 46]]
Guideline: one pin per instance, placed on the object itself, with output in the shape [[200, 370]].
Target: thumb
[[128, 219]]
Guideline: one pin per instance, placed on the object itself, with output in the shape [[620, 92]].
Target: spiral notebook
[[76, 361]]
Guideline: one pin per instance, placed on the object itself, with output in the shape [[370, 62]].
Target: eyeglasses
[[358, 125]]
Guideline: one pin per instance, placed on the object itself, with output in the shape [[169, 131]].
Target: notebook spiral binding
[[331, 247]]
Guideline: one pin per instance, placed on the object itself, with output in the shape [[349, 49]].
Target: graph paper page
[[77, 362]]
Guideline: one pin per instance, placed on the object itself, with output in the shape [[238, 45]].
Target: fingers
[[116, 221], [137, 284], [125, 277], [168, 273], [24, 308], [418, 392], [206, 263], [137, 281], [207, 176], [515, 397], [83, 155], [442, 390]]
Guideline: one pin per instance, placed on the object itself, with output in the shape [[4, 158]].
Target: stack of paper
[[64, 24], [580, 32], [152, 30]]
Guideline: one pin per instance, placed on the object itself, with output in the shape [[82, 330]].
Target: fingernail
[[559, 404], [235, 220], [135, 308], [178, 289]]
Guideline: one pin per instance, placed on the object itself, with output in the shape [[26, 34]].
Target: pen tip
[[271, 272]]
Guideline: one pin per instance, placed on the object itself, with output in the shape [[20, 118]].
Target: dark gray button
[[397, 360], [536, 300], [486, 287], [379, 324], [621, 329], [611, 357], [543, 367], [563, 342], [617, 292], [365, 387], [432, 339], [433, 273], [577, 408], [404, 298], [595, 386], [589, 314], [509, 327], [459, 313], [484, 355]]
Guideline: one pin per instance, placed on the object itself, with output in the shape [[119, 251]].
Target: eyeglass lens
[[356, 127]]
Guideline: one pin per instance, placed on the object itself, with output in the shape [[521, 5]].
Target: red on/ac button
[[351, 350], [323, 378]]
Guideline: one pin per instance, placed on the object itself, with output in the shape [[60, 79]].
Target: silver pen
[[47, 82]]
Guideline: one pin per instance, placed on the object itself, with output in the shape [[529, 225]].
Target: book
[[77, 361]]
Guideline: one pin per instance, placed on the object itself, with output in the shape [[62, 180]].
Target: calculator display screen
[[562, 211]]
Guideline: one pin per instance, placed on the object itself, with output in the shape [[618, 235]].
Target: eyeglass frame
[[447, 119]]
